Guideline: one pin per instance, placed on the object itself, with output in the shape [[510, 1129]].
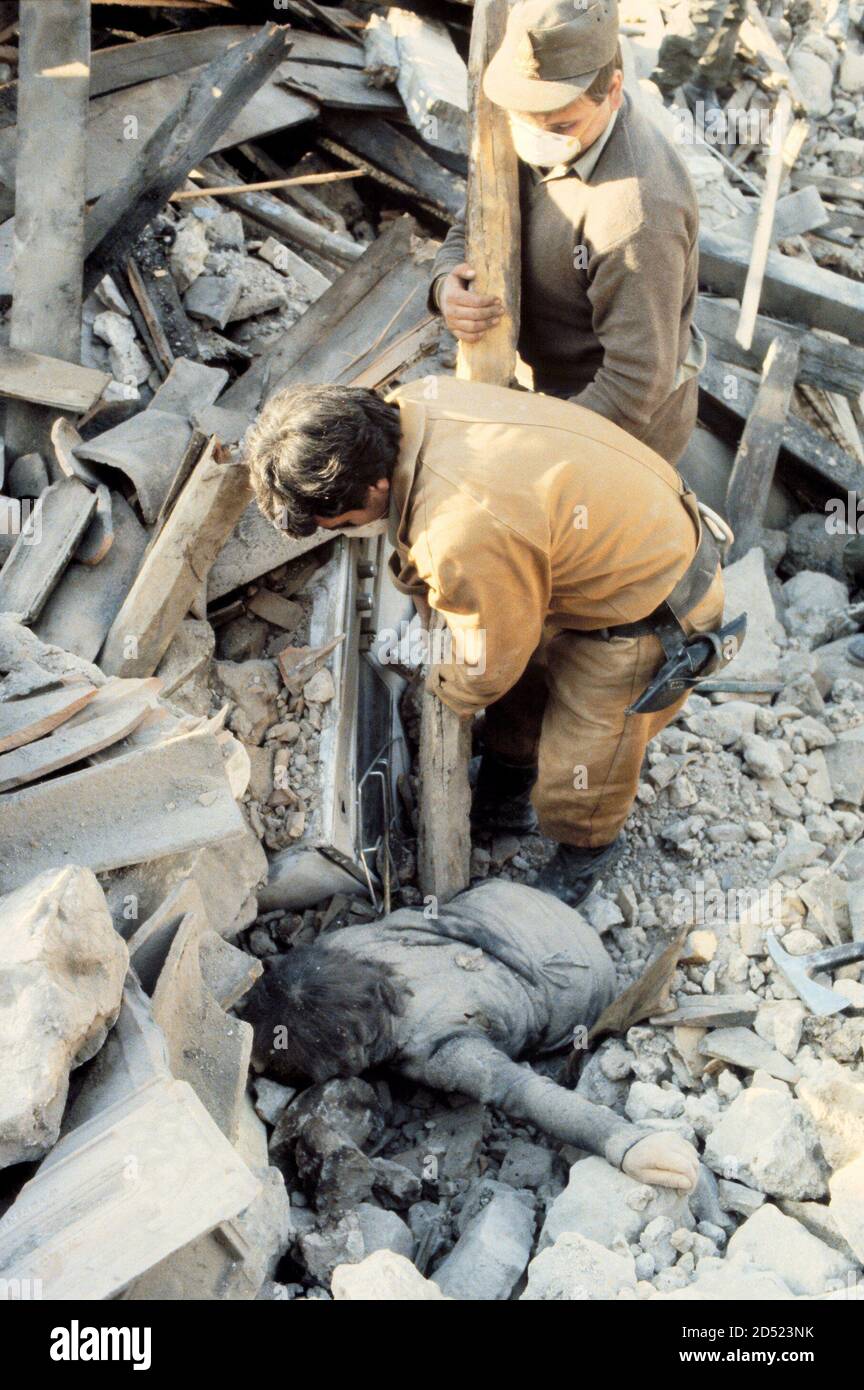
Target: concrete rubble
[[190, 703]]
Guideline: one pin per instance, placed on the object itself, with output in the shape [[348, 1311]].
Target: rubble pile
[[208, 741]]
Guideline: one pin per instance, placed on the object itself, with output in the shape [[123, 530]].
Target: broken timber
[[185, 136], [174, 568], [792, 289], [49, 197], [824, 362], [492, 221], [493, 249], [29, 376], [756, 459], [808, 459]]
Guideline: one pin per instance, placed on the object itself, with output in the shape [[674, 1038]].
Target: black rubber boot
[[502, 797], [571, 872]]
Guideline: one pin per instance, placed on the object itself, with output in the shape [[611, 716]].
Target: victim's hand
[[666, 1160]]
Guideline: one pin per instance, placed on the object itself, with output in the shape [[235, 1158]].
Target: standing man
[[568, 561], [609, 230]]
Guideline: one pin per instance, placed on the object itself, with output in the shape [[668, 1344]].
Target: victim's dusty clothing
[[528, 522], [699, 44], [502, 972], [609, 282]]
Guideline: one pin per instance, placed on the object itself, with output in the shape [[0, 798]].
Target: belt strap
[[666, 620]]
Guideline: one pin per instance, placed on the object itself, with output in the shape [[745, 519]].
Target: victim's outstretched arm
[[475, 1067]]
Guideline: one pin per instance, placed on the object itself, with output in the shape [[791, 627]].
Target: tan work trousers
[[567, 714]]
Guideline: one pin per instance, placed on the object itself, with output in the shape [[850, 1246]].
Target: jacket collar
[[413, 420]]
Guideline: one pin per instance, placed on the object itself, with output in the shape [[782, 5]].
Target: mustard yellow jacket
[[511, 511]]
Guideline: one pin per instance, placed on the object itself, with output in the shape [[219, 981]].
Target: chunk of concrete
[[745, 1049], [492, 1251], [62, 966], [747, 590], [847, 1204], [116, 1195], [778, 1243], [384, 1277], [604, 1205], [181, 800], [384, 1230], [206, 1046], [835, 1102], [768, 1141], [576, 1269]]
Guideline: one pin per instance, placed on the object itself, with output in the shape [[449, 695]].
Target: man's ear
[[616, 89]]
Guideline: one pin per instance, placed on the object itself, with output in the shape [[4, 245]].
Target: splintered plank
[[110, 714], [47, 542], [161, 800], [753, 469], [186, 135], [725, 395], [204, 515], [444, 800], [23, 721], [28, 376]]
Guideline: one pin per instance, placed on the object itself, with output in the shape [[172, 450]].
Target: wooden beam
[[726, 397], [49, 198], [493, 249], [792, 289], [824, 362], [185, 136], [492, 223], [444, 801], [51, 381], [176, 565], [753, 469]]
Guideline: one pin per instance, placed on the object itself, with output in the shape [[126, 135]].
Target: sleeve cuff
[[618, 1144]]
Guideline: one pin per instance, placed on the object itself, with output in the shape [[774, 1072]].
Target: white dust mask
[[542, 148]]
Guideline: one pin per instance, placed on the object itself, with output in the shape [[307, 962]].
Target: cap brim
[[504, 86]]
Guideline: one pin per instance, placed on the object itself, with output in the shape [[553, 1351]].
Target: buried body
[[503, 972]]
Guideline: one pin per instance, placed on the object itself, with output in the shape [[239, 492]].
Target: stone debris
[[62, 965], [204, 815]]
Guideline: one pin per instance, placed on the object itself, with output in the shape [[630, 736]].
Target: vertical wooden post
[[493, 249], [493, 221], [51, 161]]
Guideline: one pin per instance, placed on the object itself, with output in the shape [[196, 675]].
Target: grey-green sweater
[[609, 282]]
